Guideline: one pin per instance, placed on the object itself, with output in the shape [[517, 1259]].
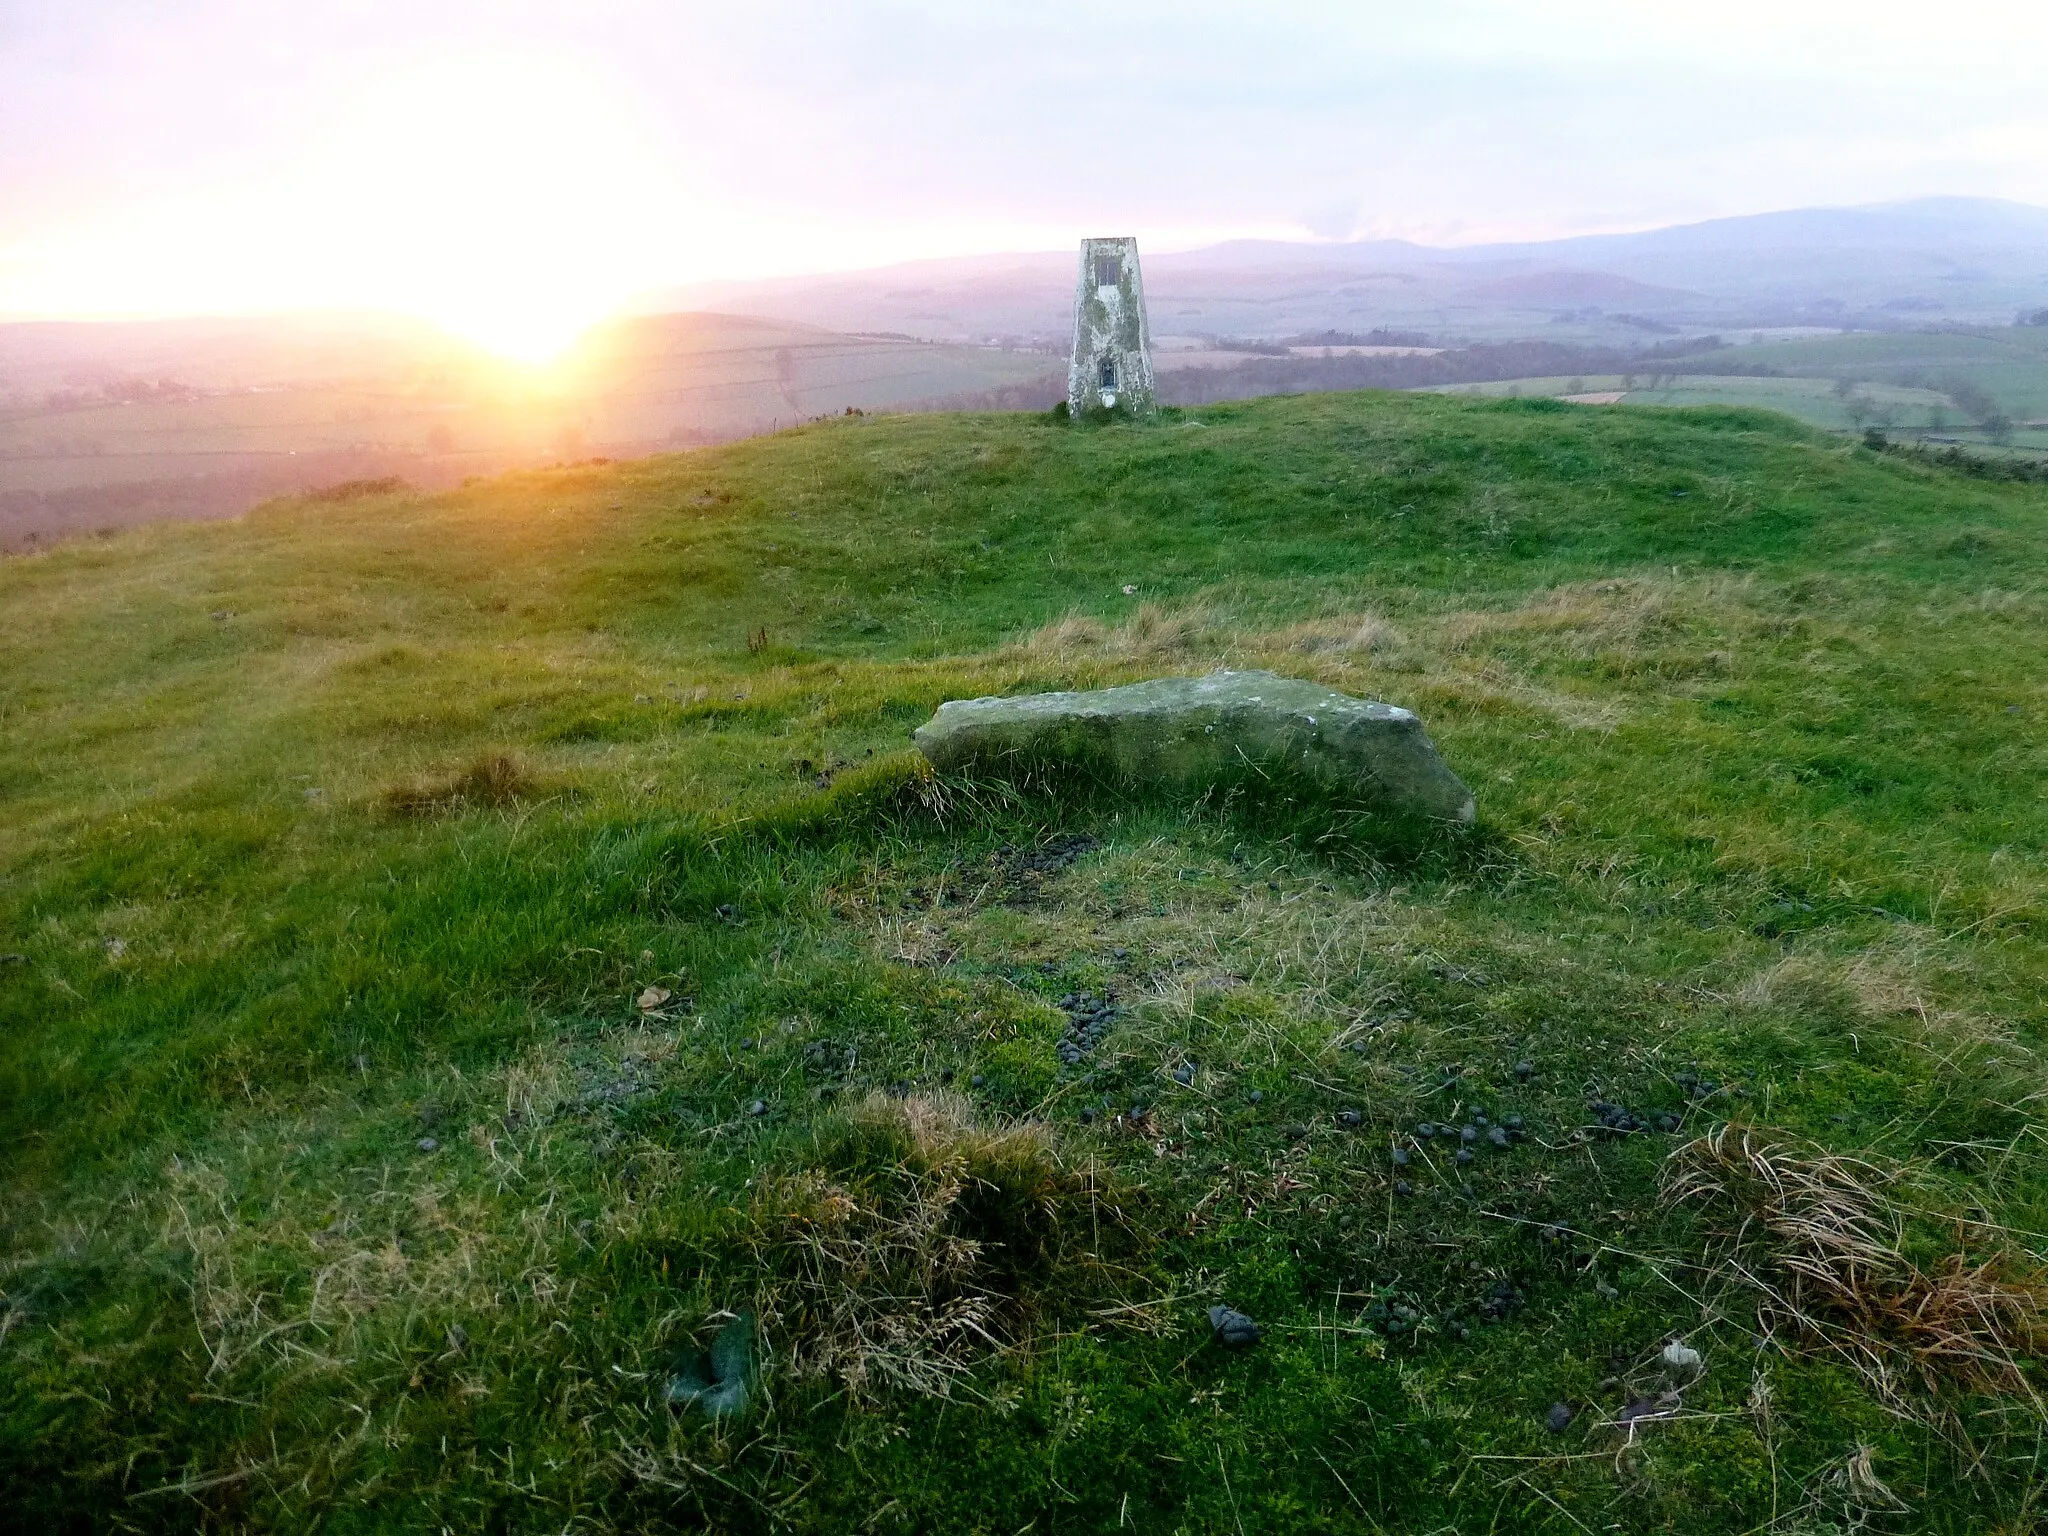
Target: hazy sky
[[456, 157]]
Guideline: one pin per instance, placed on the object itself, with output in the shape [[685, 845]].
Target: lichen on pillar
[[1112, 358]]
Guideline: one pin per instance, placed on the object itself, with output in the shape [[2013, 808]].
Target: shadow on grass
[[902, 795]]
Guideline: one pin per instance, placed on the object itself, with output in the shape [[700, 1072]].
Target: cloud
[[696, 139]]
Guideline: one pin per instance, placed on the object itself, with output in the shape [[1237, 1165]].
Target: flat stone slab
[[1190, 730]]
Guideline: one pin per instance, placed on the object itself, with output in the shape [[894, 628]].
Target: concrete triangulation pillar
[[1112, 363]]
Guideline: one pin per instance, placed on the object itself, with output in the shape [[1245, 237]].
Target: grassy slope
[[1907, 372], [1755, 720], [2010, 362]]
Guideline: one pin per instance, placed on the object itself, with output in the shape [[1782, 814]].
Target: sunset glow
[[507, 200]]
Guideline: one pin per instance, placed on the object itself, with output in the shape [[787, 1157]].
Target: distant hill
[[1569, 287], [1964, 260]]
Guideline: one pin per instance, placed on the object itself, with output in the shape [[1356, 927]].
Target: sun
[[520, 324], [512, 201]]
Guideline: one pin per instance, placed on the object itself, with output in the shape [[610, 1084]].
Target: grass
[[1906, 412], [465, 963], [2008, 362]]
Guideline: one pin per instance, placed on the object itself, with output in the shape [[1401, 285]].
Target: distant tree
[[1575, 387], [1628, 382], [1845, 386], [1859, 408], [1979, 406], [1937, 419]]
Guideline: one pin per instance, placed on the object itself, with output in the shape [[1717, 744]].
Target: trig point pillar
[[1112, 363]]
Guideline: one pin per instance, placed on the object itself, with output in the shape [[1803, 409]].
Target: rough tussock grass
[[1757, 746], [491, 781], [917, 1242], [1825, 1242]]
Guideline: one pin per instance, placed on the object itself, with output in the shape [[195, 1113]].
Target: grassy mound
[[465, 950]]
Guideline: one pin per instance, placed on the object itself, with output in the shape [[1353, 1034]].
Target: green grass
[[1755, 721], [2011, 362], [1904, 413]]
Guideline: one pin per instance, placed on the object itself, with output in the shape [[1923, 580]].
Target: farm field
[[2010, 362], [263, 419], [1908, 411], [469, 953]]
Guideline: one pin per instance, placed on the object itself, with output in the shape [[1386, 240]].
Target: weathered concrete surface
[[1111, 363], [1185, 730]]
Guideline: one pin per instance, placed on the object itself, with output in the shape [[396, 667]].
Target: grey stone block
[[1185, 731]]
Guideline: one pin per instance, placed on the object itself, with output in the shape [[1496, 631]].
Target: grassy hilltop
[[464, 947]]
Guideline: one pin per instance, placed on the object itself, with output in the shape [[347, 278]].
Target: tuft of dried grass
[[1582, 619], [1825, 1249], [494, 779], [1151, 634], [1361, 634], [919, 1241]]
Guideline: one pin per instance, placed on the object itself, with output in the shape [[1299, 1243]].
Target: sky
[[514, 170]]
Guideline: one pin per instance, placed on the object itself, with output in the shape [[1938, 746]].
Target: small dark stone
[[1232, 1329], [1399, 1157], [1184, 1074], [1468, 1134], [1464, 1155], [1426, 1130], [1403, 1188], [946, 1076], [758, 1108], [1497, 1136], [1559, 1419], [728, 912], [1477, 1118], [428, 1144], [977, 1081], [1350, 1118], [1525, 1070], [1256, 1097], [1087, 1117], [1514, 1124], [747, 1044]]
